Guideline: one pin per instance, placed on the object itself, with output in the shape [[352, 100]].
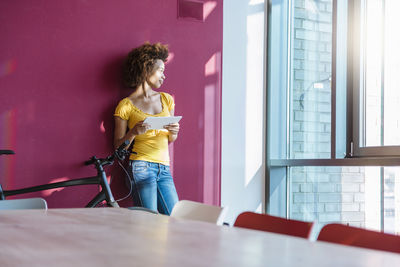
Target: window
[[332, 114], [350, 195], [378, 96], [310, 84], [301, 49]]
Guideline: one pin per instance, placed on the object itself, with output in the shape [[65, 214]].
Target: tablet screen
[[158, 123]]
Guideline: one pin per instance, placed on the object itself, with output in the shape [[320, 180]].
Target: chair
[[268, 223], [26, 203], [187, 209], [358, 237]]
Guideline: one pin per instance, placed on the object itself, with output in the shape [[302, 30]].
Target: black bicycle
[[105, 193]]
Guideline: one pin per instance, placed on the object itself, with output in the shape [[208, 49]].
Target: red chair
[[352, 236], [268, 223]]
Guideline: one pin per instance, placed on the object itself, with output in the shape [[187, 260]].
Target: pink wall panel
[[60, 65]]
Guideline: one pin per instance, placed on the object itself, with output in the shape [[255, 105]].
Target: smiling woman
[[153, 186]]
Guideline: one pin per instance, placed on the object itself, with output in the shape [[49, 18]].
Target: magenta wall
[[60, 67]]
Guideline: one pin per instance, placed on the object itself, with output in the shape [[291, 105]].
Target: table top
[[122, 237]]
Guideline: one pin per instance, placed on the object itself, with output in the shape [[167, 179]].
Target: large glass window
[[350, 195], [310, 83], [379, 96], [332, 87]]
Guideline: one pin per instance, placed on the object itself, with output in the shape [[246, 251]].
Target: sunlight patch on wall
[[211, 66], [208, 8], [209, 141], [196, 10], [170, 58], [48, 192], [102, 128], [7, 67], [254, 95], [212, 70]]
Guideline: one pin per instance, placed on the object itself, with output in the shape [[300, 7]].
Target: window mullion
[[288, 81], [383, 75], [333, 80]]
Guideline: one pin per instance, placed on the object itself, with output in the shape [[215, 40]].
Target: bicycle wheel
[[99, 198]]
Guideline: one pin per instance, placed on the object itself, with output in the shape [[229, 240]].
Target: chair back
[[187, 209], [268, 223], [26, 203], [358, 237]]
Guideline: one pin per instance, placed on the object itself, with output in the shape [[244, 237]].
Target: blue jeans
[[153, 186]]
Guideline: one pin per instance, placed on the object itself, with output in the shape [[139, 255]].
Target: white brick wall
[[325, 194], [325, 197]]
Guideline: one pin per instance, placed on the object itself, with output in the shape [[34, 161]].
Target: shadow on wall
[[111, 77]]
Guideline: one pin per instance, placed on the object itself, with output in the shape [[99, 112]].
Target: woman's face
[[156, 79]]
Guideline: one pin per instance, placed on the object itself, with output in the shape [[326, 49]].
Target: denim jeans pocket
[[141, 172], [166, 173], [139, 166]]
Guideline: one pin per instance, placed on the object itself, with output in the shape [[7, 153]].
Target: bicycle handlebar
[[122, 147], [6, 152], [120, 153]]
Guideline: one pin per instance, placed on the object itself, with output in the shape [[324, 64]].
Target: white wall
[[243, 107]]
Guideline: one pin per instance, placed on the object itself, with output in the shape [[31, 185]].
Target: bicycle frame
[[99, 179]]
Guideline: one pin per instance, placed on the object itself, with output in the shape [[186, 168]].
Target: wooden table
[[122, 237]]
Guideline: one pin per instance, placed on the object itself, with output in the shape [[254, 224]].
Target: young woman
[[153, 186]]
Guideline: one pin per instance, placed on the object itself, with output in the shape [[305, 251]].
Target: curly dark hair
[[139, 63]]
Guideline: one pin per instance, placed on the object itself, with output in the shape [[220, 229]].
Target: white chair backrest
[[187, 209], [26, 203]]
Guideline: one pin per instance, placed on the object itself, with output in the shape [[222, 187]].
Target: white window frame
[[357, 84]]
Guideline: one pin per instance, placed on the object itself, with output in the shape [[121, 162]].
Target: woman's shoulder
[[166, 96], [169, 100], [125, 100], [124, 105]]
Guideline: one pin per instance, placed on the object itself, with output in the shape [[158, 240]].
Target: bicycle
[[105, 193]]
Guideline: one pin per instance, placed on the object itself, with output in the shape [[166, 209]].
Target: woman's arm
[[173, 129], [121, 134]]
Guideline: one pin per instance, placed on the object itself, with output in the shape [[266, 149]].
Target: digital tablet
[[157, 123]]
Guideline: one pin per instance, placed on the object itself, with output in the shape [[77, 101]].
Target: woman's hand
[[173, 130], [140, 128]]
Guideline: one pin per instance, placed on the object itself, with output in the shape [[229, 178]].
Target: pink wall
[[60, 81]]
